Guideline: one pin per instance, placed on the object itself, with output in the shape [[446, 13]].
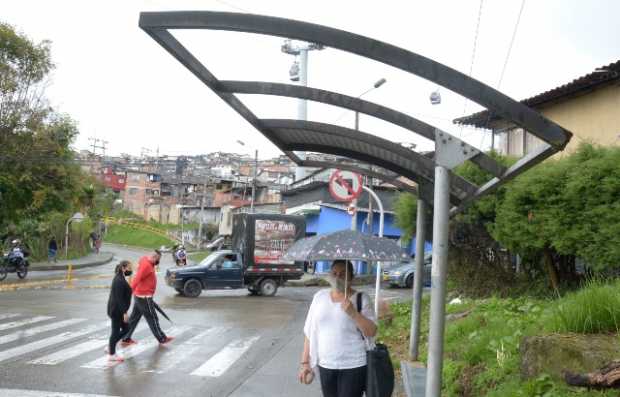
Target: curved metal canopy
[[291, 135]]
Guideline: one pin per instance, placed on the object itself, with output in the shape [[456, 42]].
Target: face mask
[[335, 283], [128, 273]]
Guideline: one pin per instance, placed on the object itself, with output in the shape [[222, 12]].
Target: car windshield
[[210, 259]]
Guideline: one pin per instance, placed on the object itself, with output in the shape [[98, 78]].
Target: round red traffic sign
[[345, 185]]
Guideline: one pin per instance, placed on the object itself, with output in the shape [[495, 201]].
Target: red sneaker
[[128, 342], [114, 357], [167, 340]]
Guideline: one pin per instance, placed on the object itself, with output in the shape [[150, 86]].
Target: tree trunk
[[551, 270]]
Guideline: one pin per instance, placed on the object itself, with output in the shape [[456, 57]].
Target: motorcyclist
[[180, 256], [17, 253]]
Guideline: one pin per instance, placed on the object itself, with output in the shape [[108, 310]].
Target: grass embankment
[[198, 256], [482, 349], [121, 234]]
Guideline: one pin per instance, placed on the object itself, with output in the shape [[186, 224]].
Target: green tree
[[565, 209], [40, 183], [37, 172]]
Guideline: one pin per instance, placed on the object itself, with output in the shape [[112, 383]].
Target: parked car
[[402, 276]]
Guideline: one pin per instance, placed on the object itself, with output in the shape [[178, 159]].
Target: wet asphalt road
[[52, 336]]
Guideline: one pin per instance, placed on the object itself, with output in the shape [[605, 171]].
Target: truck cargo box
[[262, 239]]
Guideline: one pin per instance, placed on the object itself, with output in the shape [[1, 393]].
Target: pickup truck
[[254, 262]]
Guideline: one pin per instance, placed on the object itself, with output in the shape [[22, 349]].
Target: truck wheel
[[192, 288], [409, 281], [268, 287]]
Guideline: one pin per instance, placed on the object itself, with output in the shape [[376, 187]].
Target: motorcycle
[[15, 264]]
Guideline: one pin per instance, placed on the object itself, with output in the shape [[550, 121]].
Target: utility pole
[[254, 180], [202, 209], [299, 72], [95, 146]]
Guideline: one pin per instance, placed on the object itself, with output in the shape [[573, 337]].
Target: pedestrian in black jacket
[[118, 306]]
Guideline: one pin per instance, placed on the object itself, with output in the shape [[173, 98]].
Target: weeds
[[482, 349]]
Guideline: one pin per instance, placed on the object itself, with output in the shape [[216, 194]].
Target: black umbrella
[[163, 313], [345, 244]]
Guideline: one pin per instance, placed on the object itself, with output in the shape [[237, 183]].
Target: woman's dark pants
[[119, 329], [343, 382]]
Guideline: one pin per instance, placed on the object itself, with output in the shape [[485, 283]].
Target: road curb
[[65, 267]]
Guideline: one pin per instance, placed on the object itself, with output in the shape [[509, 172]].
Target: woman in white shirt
[[333, 336]]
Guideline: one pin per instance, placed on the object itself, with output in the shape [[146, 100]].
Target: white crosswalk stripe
[[225, 358], [63, 355], [37, 330], [21, 323], [46, 342], [134, 350], [74, 343], [40, 393], [186, 350]]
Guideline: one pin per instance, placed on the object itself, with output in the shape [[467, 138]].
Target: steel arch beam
[[424, 192], [355, 104], [421, 169], [408, 61]]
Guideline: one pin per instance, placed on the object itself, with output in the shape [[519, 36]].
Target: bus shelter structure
[[437, 186]]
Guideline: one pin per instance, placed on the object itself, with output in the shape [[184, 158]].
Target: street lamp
[[377, 84], [77, 217]]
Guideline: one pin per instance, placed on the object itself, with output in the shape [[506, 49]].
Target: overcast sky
[[121, 86]]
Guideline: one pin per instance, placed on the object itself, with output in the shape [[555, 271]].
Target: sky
[[121, 86]]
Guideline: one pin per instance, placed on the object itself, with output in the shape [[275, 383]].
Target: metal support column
[[441, 217], [381, 223], [416, 304]]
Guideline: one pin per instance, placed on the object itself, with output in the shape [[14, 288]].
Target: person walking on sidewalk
[[52, 249], [143, 286], [118, 307], [335, 333]]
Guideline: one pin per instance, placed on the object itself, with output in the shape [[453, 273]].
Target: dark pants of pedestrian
[[119, 330], [343, 382], [145, 307]]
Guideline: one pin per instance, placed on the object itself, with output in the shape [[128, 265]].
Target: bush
[[593, 309]]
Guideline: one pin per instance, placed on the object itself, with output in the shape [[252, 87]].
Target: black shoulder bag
[[379, 370]]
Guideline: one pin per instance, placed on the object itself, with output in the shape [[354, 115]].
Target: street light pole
[[77, 217], [369, 219]]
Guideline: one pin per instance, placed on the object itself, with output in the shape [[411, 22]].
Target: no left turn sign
[[345, 185]]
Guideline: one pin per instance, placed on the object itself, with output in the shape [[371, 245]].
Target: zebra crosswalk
[[44, 341]]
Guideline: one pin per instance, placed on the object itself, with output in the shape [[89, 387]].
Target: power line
[[473, 57], [512, 40], [501, 77]]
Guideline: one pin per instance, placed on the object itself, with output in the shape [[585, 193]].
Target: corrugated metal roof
[[600, 76]]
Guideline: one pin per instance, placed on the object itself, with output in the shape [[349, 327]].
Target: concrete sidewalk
[[278, 378], [89, 260]]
